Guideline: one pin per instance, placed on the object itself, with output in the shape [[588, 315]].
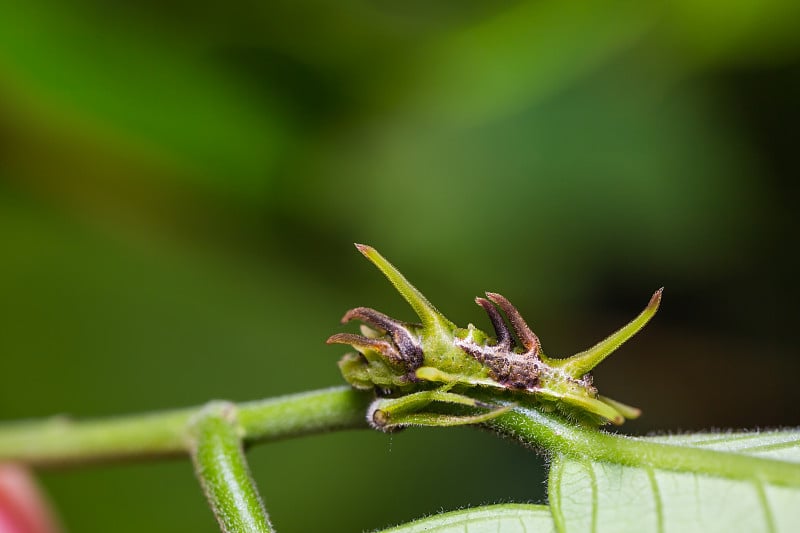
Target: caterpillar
[[416, 365]]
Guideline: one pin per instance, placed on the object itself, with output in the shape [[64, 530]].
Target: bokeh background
[[181, 184]]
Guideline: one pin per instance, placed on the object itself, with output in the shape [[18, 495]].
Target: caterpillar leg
[[389, 414]]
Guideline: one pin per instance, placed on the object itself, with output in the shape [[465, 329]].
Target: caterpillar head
[[407, 357]]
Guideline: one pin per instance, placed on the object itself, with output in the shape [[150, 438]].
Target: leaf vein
[[769, 519], [771, 446], [659, 504], [725, 438], [595, 492], [556, 474]]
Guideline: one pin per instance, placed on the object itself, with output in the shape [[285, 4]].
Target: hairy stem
[[60, 441], [533, 428], [221, 467]]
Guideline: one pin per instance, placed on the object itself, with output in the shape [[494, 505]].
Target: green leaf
[[508, 518], [588, 495]]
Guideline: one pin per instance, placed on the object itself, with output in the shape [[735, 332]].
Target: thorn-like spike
[[655, 299], [372, 317], [357, 341], [427, 313], [501, 330], [528, 339], [408, 346], [581, 363], [363, 343]]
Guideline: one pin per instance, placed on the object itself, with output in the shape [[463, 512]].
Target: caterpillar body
[[416, 365]]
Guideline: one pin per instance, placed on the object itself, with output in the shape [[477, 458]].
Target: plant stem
[[533, 428], [221, 467], [305, 414], [62, 442]]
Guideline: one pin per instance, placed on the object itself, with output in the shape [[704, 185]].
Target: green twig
[[548, 431], [62, 442], [220, 465]]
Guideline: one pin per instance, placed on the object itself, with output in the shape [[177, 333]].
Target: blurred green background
[[181, 184]]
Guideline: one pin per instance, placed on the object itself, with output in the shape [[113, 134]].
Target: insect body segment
[[510, 366], [420, 366]]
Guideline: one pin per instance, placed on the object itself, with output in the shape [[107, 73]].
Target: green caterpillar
[[414, 367]]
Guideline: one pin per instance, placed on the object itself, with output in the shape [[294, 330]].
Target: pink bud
[[23, 509]]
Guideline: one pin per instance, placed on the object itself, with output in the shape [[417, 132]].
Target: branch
[[60, 441], [221, 467], [536, 429]]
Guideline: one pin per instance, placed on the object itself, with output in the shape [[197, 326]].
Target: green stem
[[221, 467], [60, 441], [534, 428], [305, 414]]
